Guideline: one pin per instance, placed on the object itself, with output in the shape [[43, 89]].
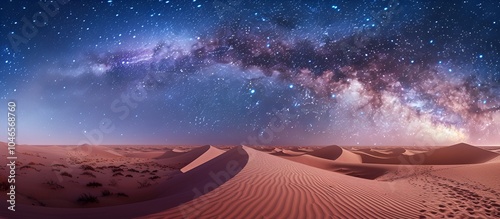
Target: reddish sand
[[336, 153], [459, 181]]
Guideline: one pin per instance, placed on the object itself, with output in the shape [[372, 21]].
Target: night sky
[[346, 72]]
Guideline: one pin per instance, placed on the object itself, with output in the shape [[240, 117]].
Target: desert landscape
[[458, 181], [250, 109]]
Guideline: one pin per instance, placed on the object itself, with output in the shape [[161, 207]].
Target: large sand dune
[[209, 154], [366, 171], [336, 153], [190, 159], [455, 154]]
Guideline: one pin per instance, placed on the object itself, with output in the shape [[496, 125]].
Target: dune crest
[[170, 154], [450, 155], [191, 159], [336, 153], [285, 152], [456, 154], [209, 154]]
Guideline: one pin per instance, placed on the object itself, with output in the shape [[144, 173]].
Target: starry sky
[[260, 72]]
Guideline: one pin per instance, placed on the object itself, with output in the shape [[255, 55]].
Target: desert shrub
[[133, 170], [88, 174], [121, 194], [87, 167], [118, 174], [59, 165], [117, 170], [154, 177], [66, 174], [94, 184], [145, 171], [87, 198], [54, 185], [106, 193], [128, 175], [143, 184]]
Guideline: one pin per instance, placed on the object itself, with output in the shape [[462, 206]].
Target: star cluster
[[255, 72]]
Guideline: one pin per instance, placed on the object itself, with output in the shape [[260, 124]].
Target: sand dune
[[304, 149], [271, 187], [147, 155], [455, 154], [366, 171], [180, 189], [209, 154], [494, 160], [409, 152], [170, 154], [368, 157], [294, 152], [188, 160], [386, 152], [285, 152], [263, 148], [279, 153], [336, 153], [181, 150], [337, 159], [95, 151], [329, 182]]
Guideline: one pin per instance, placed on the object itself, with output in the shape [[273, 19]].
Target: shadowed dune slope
[[145, 155], [284, 152], [451, 155], [366, 171], [272, 187], [186, 187], [370, 158], [209, 154], [336, 153], [172, 153], [457, 154], [279, 153], [185, 160]]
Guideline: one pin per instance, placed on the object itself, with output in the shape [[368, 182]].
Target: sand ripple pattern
[[271, 187]]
